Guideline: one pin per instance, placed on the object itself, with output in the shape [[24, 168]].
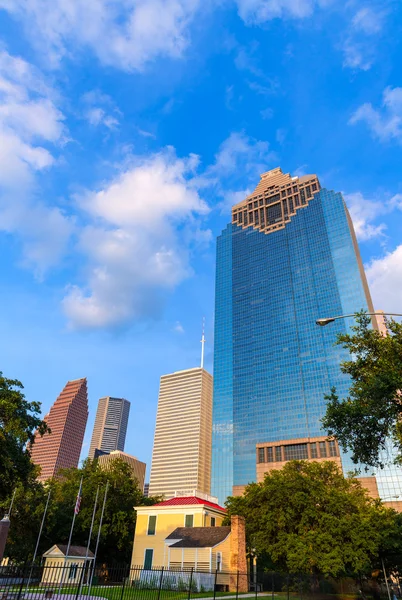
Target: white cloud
[[384, 123], [126, 34], [178, 327], [100, 109], [368, 21], [385, 280], [364, 213], [138, 247], [259, 11], [359, 44], [29, 123]]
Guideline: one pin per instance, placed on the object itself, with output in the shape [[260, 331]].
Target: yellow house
[[67, 569], [184, 535]]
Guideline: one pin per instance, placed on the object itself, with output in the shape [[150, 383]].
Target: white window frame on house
[[213, 524], [185, 518], [152, 559], [156, 520]]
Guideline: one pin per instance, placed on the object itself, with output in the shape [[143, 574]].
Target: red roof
[[187, 500]]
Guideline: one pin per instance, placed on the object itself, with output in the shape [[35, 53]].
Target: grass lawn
[[117, 593]]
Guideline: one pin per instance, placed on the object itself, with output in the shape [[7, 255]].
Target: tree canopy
[[119, 518], [309, 518], [369, 419], [19, 421]]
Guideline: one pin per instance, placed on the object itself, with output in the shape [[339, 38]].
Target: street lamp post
[[327, 320]]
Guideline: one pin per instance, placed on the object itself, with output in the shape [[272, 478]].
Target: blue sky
[[127, 130]]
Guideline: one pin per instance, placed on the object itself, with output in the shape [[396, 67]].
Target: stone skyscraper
[[181, 458], [288, 257], [110, 426], [67, 420]]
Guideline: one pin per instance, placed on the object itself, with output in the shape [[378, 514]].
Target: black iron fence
[[76, 581]]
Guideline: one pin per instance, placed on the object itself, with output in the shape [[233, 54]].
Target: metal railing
[[76, 581]]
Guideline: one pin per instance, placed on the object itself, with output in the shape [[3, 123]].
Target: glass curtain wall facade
[[281, 264]]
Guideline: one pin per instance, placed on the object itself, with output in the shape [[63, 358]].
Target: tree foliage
[[370, 417], [19, 420], [309, 518], [117, 533]]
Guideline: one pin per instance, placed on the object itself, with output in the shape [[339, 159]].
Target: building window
[[296, 451], [151, 525], [313, 450], [270, 455], [219, 561], [245, 218], [189, 521], [234, 216], [278, 454], [72, 573], [148, 557], [323, 450], [240, 217], [261, 455], [332, 448], [308, 191], [213, 521], [314, 186]]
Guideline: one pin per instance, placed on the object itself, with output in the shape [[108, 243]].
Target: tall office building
[[181, 458], [288, 257], [110, 425], [67, 420]]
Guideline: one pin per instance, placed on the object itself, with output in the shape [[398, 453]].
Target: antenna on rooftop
[[203, 343]]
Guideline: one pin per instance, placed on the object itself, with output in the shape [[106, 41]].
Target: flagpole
[[90, 535], [37, 541], [98, 538], [76, 509]]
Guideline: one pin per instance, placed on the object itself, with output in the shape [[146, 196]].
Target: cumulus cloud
[[259, 11], [359, 43], [385, 123], [126, 34], [29, 123], [99, 109], [384, 275], [144, 224], [364, 213]]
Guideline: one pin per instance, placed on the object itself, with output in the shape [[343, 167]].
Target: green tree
[[309, 518], [370, 417], [19, 421], [117, 533]]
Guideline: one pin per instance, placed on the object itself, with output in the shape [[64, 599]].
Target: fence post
[[256, 583], [22, 583], [122, 587], [273, 585], [237, 585], [287, 583], [80, 582], [189, 585], [160, 583]]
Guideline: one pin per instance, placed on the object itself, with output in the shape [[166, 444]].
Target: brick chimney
[[238, 559], [4, 527]]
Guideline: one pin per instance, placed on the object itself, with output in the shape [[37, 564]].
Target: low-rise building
[[59, 567], [185, 534]]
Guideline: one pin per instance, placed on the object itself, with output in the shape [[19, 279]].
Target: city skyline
[[122, 162]]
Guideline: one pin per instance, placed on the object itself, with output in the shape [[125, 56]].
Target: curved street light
[[323, 322]]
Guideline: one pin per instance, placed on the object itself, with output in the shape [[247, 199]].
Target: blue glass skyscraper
[[288, 257]]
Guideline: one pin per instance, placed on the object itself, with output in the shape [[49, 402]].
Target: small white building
[[67, 569]]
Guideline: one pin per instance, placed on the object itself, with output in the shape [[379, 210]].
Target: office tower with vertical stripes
[[67, 419], [181, 458], [110, 426]]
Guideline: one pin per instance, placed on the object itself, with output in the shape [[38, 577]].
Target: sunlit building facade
[[288, 257]]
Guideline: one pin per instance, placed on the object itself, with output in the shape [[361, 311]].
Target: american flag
[[78, 501]]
